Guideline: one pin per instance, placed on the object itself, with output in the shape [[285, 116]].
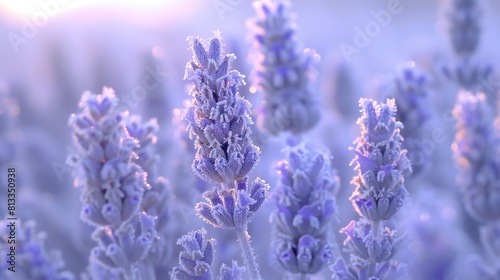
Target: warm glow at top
[[30, 9]]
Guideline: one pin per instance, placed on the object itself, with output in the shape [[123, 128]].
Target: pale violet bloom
[[283, 71]]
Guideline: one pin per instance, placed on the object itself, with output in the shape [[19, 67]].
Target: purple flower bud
[[196, 260]]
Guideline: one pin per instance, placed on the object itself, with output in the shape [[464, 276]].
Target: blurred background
[[51, 51]]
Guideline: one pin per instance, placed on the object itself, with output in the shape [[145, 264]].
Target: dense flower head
[[233, 207], [283, 71], [218, 116], [112, 184], [476, 150], [195, 261], [121, 248], [410, 91], [464, 27], [381, 163], [305, 209], [366, 247], [32, 259]]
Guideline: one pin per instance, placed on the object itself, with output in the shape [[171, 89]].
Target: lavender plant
[[476, 149], [382, 166], [112, 184], [31, 260], [465, 32], [410, 91], [283, 71], [305, 209], [219, 120]]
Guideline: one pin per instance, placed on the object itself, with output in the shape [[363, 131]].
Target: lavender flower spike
[[302, 241], [283, 71], [112, 184], [380, 162], [476, 149], [380, 192], [219, 119], [218, 116], [464, 26], [195, 262]]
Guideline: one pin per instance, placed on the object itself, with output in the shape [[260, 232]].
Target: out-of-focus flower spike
[[305, 209], [283, 72]]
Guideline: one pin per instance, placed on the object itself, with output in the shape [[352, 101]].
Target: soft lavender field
[[139, 49]]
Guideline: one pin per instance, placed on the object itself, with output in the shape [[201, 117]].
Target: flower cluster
[[380, 162], [476, 150], [218, 116], [465, 32], [31, 258], [305, 209], [283, 71], [121, 248], [382, 166], [112, 184], [195, 262], [232, 208], [411, 95], [366, 248]]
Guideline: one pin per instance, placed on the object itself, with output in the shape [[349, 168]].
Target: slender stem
[[248, 254]]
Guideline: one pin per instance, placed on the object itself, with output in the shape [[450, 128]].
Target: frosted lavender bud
[[283, 71], [476, 151], [218, 116], [232, 208], [305, 209], [195, 261], [122, 248], [32, 259], [381, 163], [370, 252], [234, 272], [464, 30], [410, 92], [112, 185]]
